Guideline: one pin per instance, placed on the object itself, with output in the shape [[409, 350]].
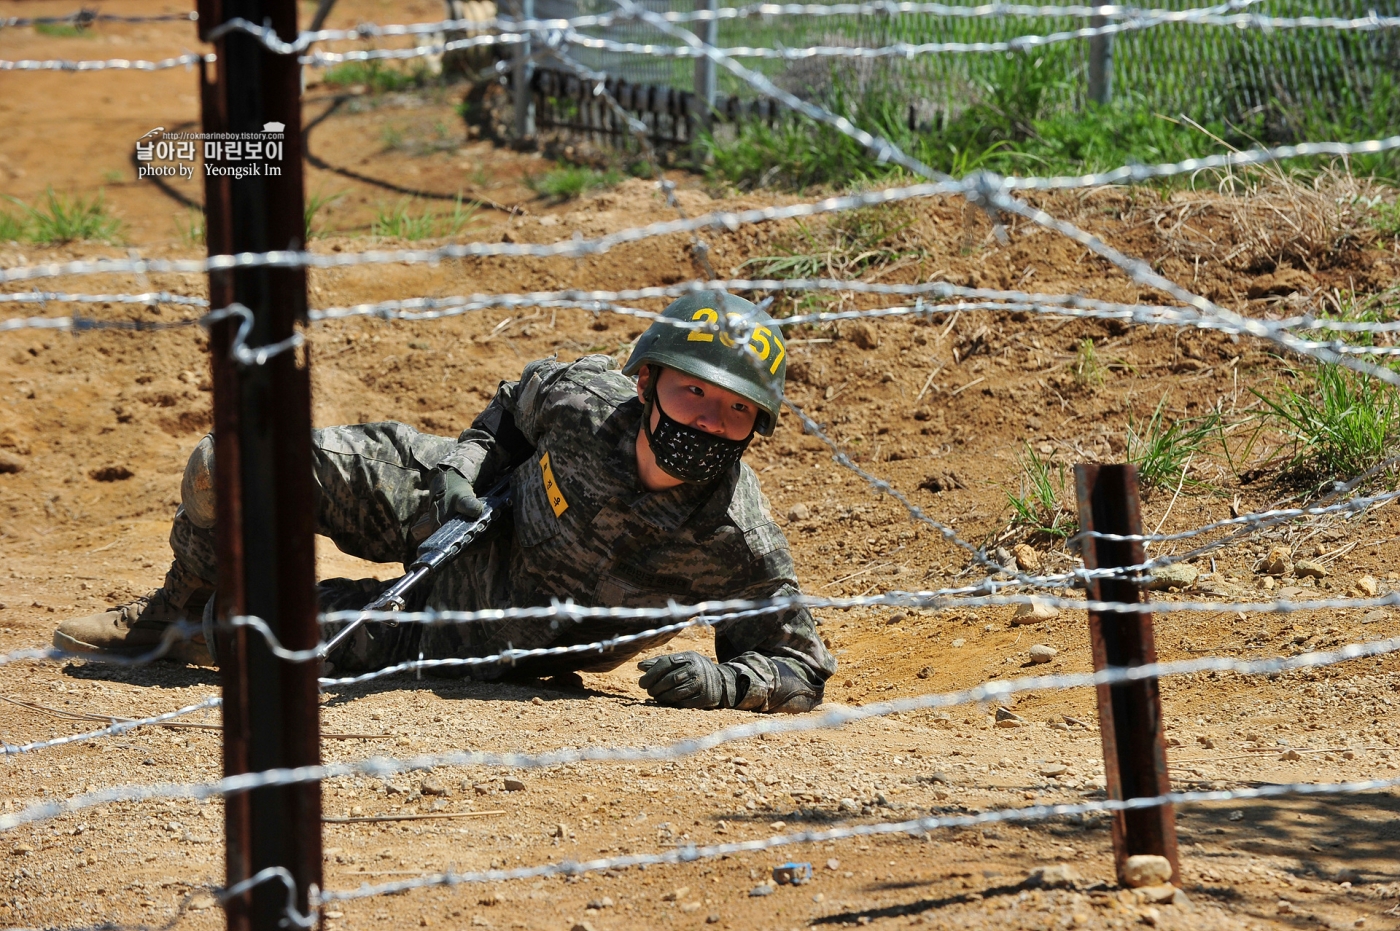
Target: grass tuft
[[845, 246], [402, 222], [569, 181], [378, 76], [60, 219], [1341, 425], [1039, 506], [313, 206], [191, 227], [1089, 371], [1163, 451], [62, 30]]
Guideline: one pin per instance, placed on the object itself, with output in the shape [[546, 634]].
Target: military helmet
[[756, 375]]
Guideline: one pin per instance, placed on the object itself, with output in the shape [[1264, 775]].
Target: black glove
[[691, 680], [453, 496]]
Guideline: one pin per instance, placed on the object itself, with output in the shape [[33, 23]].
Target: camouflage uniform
[[582, 529]]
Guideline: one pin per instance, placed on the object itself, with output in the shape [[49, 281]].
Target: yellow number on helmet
[[708, 315]]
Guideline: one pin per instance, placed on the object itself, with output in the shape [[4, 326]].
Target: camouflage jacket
[[585, 529]]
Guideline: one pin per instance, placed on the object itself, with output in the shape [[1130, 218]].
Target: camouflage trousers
[[373, 501]]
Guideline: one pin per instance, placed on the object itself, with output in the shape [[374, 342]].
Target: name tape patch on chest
[[551, 488]]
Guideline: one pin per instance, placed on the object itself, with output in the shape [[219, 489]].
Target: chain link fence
[[1268, 78]]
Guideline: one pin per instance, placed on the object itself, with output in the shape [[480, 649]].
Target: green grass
[[569, 181], [191, 227], [11, 227], [62, 30], [60, 219], [402, 221], [1039, 506], [1015, 121], [1088, 370], [313, 206], [1163, 451], [378, 76], [1340, 423], [1386, 220]]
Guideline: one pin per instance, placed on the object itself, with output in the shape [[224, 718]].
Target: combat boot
[[138, 626]]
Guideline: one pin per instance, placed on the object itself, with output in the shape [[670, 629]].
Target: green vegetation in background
[[62, 30], [313, 206], [191, 227], [1043, 487], [378, 76], [402, 222], [1340, 425], [569, 181], [1011, 128], [59, 219]]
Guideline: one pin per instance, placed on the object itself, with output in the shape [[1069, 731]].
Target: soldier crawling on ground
[[627, 494]]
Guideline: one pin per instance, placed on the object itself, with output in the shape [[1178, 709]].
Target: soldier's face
[[700, 404]]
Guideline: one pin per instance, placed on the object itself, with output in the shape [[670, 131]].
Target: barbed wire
[[985, 692], [117, 728], [981, 185], [690, 853], [62, 297], [188, 60], [86, 17]]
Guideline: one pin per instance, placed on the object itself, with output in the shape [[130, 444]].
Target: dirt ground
[[94, 431]]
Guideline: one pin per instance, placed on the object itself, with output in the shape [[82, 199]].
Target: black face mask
[[686, 453]]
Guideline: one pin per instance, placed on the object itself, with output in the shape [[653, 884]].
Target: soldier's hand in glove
[[690, 680], [453, 496]]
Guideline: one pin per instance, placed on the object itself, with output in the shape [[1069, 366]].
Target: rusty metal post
[[1130, 713], [262, 425]]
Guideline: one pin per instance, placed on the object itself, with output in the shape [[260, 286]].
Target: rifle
[[445, 545]]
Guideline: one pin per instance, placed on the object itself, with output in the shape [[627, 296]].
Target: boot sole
[[194, 654]]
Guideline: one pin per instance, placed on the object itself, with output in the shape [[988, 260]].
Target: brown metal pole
[[262, 422], [1130, 713]]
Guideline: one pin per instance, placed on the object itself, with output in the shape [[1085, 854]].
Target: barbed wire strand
[[117, 728], [989, 691], [690, 853]]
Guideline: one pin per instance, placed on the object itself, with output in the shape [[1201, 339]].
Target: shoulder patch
[[551, 488]]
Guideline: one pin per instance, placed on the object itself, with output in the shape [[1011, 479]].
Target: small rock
[[847, 804], [1307, 568], [604, 902], [560, 831], [762, 889], [1367, 586], [713, 918], [1156, 895], [1291, 755], [1268, 583], [21, 850], [1026, 557], [959, 642], [1235, 815], [1146, 869], [202, 900], [1058, 876], [1150, 917], [1279, 561], [1054, 769], [392, 789], [833, 864], [537, 700], [690, 908], [583, 926], [799, 512], [1285, 907], [1040, 653], [1007, 718], [676, 894], [482, 788], [1177, 575], [10, 464], [1347, 874], [1182, 901], [514, 785], [431, 786], [1034, 613], [925, 672], [1205, 742]]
